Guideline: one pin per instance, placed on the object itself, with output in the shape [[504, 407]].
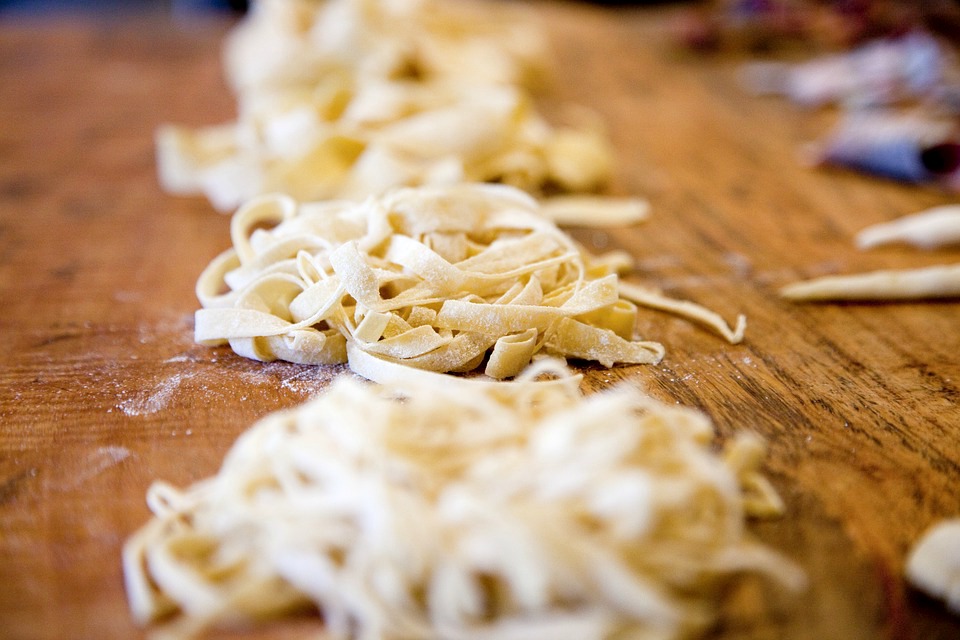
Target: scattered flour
[[304, 380], [106, 457], [740, 264], [186, 370], [74, 473], [152, 401]]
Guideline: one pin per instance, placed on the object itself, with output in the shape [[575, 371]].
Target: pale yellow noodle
[[941, 281]]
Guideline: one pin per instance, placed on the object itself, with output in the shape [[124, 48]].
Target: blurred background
[[36, 7]]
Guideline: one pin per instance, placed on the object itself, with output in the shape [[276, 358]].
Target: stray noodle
[[692, 311], [928, 229], [893, 284], [595, 211], [933, 563], [499, 512]]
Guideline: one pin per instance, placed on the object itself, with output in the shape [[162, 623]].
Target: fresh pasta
[[284, 44], [929, 229], [595, 211], [933, 564], [348, 98], [941, 281], [446, 279], [448, 508]]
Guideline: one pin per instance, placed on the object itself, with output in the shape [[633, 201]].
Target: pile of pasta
[[424, 510], [296, 44], [345, 98], [445, 279]]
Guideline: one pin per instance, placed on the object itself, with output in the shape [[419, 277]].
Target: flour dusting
[[152, 401], [303, 380], [106, 457], [311, 380], [73, 473]]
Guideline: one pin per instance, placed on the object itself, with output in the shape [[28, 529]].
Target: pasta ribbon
[[939, 281]]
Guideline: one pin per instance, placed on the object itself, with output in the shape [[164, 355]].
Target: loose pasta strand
[[893, 284]]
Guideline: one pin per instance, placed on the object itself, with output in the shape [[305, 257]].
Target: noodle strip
[[940, 281]]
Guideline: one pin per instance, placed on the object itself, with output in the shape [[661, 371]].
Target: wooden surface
[[102, 389]]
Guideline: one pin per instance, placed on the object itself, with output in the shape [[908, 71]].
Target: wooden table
[[102, 389]]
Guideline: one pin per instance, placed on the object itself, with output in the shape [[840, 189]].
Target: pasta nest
[[347, 98], [444, 279], [422, 511]]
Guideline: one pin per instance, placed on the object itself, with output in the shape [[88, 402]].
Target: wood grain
[[102, 389]]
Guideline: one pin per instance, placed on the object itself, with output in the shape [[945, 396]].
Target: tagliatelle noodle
[[927, 229], [348, 98], [685, 308], [595, 211], [449, 508], [933, 563], [438, 278], [890, 284]]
